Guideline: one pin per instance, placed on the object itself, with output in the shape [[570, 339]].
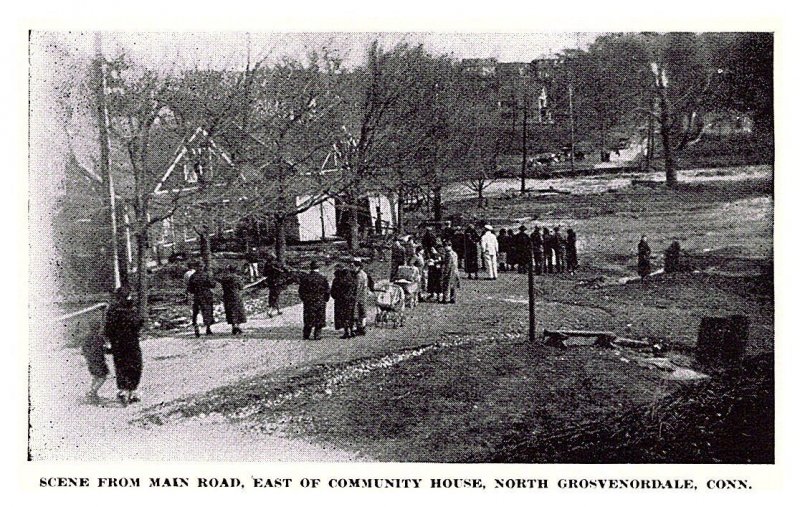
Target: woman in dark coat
[[314, 292], [343, 292], [435, 275], [93, 349], [503, 244], [122, 331], [547, 244], [572, 251], [471, 242], [200, 285], [232, 299], [644, 258], [458, 245]]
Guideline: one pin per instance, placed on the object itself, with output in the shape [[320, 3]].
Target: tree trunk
[[480, 194], [669, 165], [142, 286], [400, 201], [280, 238], [122, 255], [205, 250], [352, 228], [665, 121], [437, 203]]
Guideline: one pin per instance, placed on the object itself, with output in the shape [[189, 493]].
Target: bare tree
[[148, 121], [288, 141], [388, 124]]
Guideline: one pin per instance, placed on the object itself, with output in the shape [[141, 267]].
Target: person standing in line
[[398, 257], [672, 258], [420, 263], [364, 288], [428, 240], [343, 292], [547, 243], [252, 264], [644, 258], [122, 329], [471, 241], [523, 245], [411, 249], [559, 247], [489, 249], [538, 249], [235, 313], [435, 275], [572, 251], [450, 277], [94, 350], [459, 245], [502, 255], [200, 285], [448, 234], [314, 292]]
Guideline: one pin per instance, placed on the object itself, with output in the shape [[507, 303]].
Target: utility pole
[[571, 131], [105, 149], [531, 299], [524, 138]]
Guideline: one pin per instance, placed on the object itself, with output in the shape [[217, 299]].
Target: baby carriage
[[408, 278], [391, 303]]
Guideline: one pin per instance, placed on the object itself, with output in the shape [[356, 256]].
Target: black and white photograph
[[441, 247]]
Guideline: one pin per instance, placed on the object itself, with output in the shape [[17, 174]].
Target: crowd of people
[[436, 259], [507, 251]]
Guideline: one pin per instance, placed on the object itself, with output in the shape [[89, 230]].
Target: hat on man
[[523, 228], [488, 227], [313, 265]]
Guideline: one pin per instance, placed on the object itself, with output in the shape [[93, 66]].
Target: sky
[[229, 49]]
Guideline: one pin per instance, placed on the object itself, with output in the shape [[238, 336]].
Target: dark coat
[[522, 248], [398, 258], [547, 243], [458, 243], [93, 349], [536, 242], [644, 258], [503, 243], [122, 331], [428, 241], [274, 275], [200, 285], [232, 299], [559, 245], [572, 250], [343, 292], [435, 275], [471, 242], [314, 292]]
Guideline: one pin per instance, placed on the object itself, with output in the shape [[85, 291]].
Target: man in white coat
[[489, 249]]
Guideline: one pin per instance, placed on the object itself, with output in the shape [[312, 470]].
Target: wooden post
[[531, 300]]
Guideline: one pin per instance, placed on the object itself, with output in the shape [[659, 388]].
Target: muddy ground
[[462, 383]]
